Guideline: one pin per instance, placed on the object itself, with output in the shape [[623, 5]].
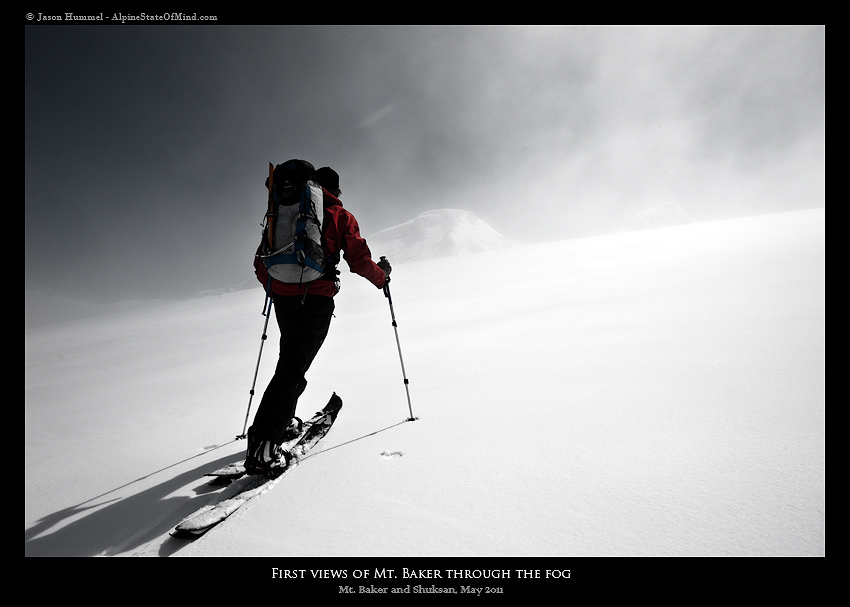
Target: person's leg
[[303, 328]]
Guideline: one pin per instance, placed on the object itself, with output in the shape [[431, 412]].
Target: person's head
[[329, 179]]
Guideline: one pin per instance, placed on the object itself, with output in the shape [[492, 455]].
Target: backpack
[[292, 237]]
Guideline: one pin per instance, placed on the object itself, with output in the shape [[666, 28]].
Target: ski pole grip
[[386, 280]]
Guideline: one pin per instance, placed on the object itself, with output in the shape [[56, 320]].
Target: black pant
[[304, 323]]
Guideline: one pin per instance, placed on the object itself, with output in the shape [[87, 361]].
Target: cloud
[[375, 117]]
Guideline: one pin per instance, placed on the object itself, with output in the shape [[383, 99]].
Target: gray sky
[[147, 146]]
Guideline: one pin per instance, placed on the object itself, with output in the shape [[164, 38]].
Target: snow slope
[[657, 392]]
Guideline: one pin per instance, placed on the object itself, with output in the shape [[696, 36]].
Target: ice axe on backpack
[[398, 343]]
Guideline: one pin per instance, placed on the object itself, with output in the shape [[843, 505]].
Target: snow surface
[[656, 392]]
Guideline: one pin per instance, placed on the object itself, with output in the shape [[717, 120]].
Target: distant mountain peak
[[437, 233], [661, 215]]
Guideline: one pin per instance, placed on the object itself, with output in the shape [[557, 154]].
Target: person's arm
[[357, 254]]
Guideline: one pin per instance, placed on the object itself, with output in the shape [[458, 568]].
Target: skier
[[303, 312]]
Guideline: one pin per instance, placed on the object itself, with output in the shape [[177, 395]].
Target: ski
[[244, 490], [236, 470]]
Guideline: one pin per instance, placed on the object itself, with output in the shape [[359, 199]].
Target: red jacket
[[340, 233]]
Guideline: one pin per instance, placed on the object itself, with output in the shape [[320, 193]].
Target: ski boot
[[264, 457]]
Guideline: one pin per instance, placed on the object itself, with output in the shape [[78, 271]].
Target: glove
[[384, 264]]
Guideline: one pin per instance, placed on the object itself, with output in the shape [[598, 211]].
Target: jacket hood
[[329, 200]]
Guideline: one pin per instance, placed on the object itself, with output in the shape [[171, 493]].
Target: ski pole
[[267, 311], [267, 305], [398, 343]]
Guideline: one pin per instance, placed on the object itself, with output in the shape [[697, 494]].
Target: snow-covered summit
[[659, 216], [435, 234]]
